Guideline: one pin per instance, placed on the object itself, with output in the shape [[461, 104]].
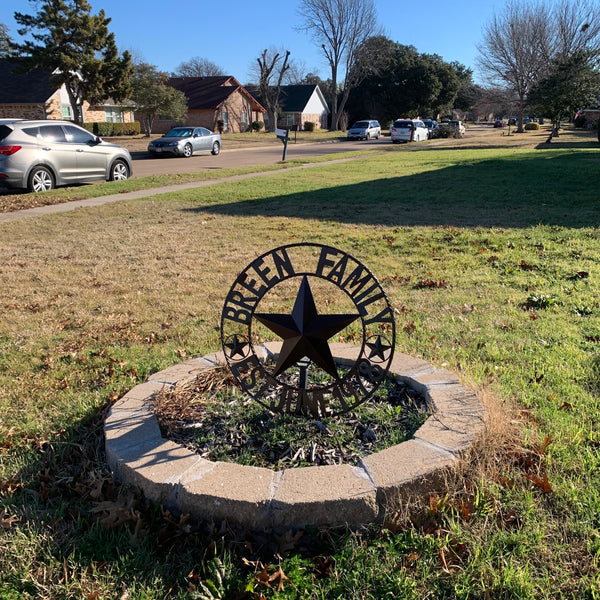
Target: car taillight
[[8, 150]]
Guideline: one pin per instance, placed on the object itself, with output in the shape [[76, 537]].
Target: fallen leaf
[[7, 521], [324, 566], [263, 577], [279, 577], [541, 483], [288, 541]]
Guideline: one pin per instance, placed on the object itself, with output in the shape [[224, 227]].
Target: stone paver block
[[124, 429], [451, 432], [273, 348], [423, 382], [215, 359], [345, 354], [139, 393], [324, 495], [409, 366], [176, 375], [233, 492], [157, 471], [406, 470], [455, 399]]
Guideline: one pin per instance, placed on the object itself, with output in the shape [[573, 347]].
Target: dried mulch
[[215, 419]]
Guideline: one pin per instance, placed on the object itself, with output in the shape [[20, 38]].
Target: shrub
[[447, 131], [257, 125], [127, 128], [108, 129], [309, 126], [532, 126], [220, 126]]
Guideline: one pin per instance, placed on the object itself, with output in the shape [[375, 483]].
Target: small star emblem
[[305, 332], [236, 345], [378, 348]]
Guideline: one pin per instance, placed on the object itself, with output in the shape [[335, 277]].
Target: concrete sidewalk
[[40, 211]]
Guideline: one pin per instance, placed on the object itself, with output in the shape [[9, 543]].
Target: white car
[[408, 130]]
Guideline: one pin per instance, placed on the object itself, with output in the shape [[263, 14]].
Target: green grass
[[490, 258]]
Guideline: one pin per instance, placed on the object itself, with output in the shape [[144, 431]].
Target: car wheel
[[187, 150], [40, 180], [119, 171], [368, 137], [216, 149]]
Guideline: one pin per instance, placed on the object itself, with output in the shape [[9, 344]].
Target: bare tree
[[272, 69], [577, 29], [516, 49], [198, 67], [523, 44], [339, 27]]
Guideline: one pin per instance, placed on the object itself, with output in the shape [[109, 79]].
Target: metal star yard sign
[[305, 378]]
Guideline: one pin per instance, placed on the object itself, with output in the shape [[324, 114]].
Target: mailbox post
[[284, 136]]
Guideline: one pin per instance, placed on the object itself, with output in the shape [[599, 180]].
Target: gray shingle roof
[[28, 88]]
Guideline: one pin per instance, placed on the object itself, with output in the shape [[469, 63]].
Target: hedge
[[108, 129]]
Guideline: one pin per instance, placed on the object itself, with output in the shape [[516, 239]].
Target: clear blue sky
[[232, 33]]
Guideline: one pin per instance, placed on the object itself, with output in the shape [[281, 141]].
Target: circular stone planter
[[257, 497]]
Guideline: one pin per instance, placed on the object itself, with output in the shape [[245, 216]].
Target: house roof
[[294, 98], [28, 88], [208, 93]]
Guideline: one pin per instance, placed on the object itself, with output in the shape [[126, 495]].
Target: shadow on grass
[[90, 531], [536, 188]]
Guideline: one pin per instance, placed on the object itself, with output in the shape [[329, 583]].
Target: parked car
[[40, 155], [364, 130], [431, 125], [499, 123], [408, 130], [185, 141]]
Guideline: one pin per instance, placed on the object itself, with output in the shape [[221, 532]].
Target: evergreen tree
[[5, 42], [153, 96], [78, 48]]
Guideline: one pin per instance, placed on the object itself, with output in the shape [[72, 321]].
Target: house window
[[288, 119], [113, 115], [67, 113], [244, 118], [225, 119]]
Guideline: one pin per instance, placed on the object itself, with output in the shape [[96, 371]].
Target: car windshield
[[360, 125], [183, 132]]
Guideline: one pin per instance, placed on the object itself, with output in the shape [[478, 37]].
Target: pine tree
[[78, 48]]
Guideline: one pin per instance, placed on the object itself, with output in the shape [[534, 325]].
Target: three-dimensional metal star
[[305, 332]]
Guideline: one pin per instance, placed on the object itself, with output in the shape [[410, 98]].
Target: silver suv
[[40, 155], [364, 130]]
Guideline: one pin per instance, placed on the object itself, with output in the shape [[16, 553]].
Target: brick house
[[300, 104], [212, 100], [33, 96]]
